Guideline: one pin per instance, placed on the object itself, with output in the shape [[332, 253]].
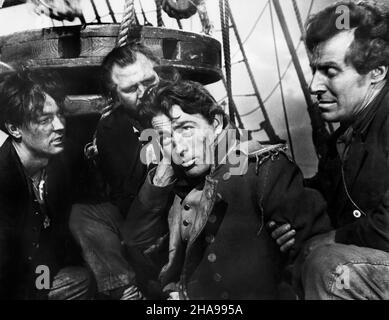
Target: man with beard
[[127, 72]]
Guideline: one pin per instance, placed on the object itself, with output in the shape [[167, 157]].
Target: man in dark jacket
[[350, 66], [37, 258], [127, 72], [197, 223]]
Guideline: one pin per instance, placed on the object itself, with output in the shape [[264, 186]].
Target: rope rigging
[[298, 16], [274, 89], [111, 13], [145, 21], [158, 4], [281, 85], [130, 18], [225, 21], [282, 77], [127, 21], [96, 12], [253, 27]]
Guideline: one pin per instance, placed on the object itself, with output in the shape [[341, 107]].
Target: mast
[[319, 131], [295, 59], [266, 124]]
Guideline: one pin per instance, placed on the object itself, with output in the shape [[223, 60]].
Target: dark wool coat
[[24, 242], [119, 161], [366, 177], [217, 244]]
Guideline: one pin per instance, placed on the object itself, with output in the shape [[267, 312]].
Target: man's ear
[[378, 74], [13, 130], [218, 124]]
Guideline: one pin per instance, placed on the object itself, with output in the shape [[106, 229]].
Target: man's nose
[[317, 84], [58, 123], [180, 147], [141, 91]]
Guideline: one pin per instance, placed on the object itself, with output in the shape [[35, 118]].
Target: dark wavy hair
[[22, 95], [370, 48], [191, 96], [122, 56]]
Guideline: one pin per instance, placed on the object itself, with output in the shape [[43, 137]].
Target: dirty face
[[340, 90], [187, 139], [44, 135], [133, 80]]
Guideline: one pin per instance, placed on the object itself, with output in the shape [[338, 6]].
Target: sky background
[[257, 35]]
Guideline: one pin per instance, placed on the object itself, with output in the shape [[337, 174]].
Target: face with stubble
[[44, 135], [133, 80], [340, 90], [187, 140]]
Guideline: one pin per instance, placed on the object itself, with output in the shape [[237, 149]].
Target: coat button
[[217, 277], [226, 176], [185, 223], [212, 218], [29, 258], [36, 213], [357, 214], [186, 206], [210, 239], [212, 257]]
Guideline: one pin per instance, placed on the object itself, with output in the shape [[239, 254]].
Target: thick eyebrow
[[127, 88], [178, 125], [328, 64], [151, 78], [45, 114]]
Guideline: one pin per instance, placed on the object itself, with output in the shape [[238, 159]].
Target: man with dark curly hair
[[38, 257], [196, 228], [349, 44]]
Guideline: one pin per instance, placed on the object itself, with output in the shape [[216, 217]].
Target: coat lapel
[[356, 159]]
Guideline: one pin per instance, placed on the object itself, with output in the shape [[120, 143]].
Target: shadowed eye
[[45, 120], [149, 82], [131, 89], [187, 131]]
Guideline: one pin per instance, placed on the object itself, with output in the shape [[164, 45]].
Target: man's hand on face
[[283, 235], [164, 175]]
